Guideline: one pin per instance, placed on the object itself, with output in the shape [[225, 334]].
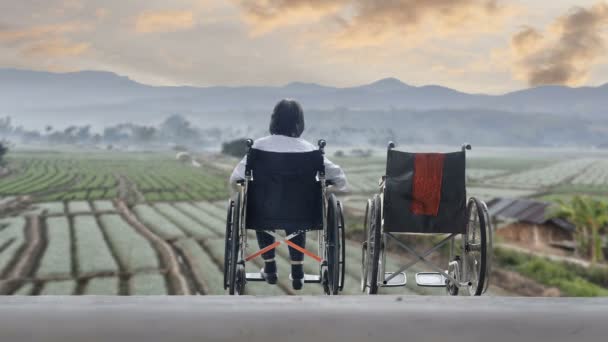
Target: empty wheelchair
[[425, 193], [285, 191]]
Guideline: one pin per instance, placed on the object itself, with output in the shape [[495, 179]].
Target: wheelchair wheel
[[364, 252], [241, 279], [234, 247], [228, 243], [325, 281], [454, 271], [342, 229], [476, 248], [333, 245], [374, 245], [490, 246]]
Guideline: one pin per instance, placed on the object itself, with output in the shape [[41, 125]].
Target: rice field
[[95, 252], [62, 176], [124, 224], [559, 173]]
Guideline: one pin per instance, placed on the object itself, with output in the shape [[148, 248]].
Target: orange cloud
[[47, 40], [376, 22], [56, 48], [565, 53], [38, 32], [266, 15], [164, 21], [359, 23]]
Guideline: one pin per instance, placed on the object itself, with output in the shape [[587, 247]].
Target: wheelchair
[[285, 191], [425, 193]]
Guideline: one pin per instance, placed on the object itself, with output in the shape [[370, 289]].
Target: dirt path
[[27, 258], [169, 258], [127, 190]]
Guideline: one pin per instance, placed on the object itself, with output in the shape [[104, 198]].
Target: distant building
[[183, 157], [528, 223]]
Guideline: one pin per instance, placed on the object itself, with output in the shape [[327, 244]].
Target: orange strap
[[263, 250], [302, 250]]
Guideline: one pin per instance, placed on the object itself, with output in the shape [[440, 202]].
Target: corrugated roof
[[535, 213], [497, 205], [526, 211]]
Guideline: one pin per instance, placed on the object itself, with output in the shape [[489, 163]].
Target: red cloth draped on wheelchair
[[425, 193]]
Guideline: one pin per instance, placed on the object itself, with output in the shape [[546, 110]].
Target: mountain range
[[35, 99]]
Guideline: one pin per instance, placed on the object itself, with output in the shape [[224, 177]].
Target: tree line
[[174, 130]]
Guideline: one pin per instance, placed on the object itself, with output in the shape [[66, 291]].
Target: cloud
[[56, 48], [526, 40], [375, 22], [38, 32], [45, 40], [164, 21], [370, 22], [101, 13], [566, 52], [267, 15]]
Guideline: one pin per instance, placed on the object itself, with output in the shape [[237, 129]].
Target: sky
[[478, 46]]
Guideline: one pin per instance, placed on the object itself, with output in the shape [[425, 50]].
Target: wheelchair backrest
[[425, 192], [285, 192]]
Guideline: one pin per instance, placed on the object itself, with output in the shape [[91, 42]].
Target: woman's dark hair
[[287, 119]]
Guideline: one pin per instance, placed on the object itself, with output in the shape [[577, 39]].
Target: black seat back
[[284, 192], [425, 192]]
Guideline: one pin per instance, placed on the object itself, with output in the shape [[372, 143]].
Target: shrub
[[572, 280]]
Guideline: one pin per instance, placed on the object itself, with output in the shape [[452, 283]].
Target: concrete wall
[[302, 319]]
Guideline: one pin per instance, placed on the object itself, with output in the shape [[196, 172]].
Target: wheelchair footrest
[[310, 278], [254, 277], [430, 279], [398, 281]]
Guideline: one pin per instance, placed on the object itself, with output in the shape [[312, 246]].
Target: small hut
[[528, 223]]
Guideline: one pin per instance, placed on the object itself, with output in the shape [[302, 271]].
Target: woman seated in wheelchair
[[286, 127]]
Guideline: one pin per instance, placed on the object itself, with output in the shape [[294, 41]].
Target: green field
[[107, 175], [144, 223]]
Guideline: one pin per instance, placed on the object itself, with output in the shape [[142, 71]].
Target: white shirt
[[281, 143]]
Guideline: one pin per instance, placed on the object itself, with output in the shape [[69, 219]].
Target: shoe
[[271, 278], [297, 284], [297, 276]]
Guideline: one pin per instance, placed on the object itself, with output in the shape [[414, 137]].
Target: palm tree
[[590, 216]]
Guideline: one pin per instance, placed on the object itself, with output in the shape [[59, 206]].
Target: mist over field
[[366, 115]]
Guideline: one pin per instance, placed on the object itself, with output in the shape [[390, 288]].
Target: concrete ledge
[[293, 319]]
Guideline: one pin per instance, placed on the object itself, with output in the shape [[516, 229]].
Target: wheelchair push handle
[[466, 146], [391, 145], [322, 143], [249, 143]]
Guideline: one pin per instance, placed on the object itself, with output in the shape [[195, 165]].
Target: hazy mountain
[[33, 97]]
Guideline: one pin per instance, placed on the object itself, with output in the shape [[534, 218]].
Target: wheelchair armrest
[[329, 183], [240, 182]]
